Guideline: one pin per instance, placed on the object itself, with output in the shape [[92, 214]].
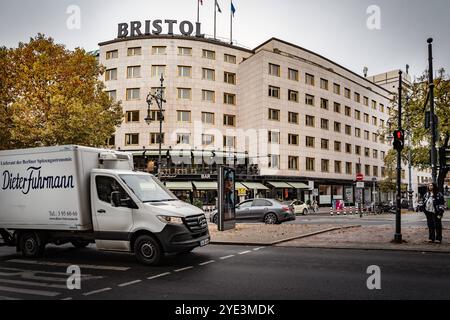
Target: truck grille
[[196, 224]]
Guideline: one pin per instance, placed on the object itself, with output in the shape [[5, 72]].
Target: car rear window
[[262, 203]]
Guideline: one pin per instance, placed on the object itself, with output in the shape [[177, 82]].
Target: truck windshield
[[147, 188]]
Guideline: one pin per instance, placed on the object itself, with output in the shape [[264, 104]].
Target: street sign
[[315, 193], [360, 185], [311, 185], [359, 177]]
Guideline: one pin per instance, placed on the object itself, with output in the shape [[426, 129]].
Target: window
[[293, 117], [366, 118], [310, 121], [375, 154], [293, 95], [208, 74], [324, 84], [133, 94], [374, 121], [229, 142], [367, 152], [337, 107], [382, 107], [134, 72], [113, 54], [324, 124], [348, 130], [374, 105], [367, 170], [348, 148], [374, 137], [358, 150], [337, 126], [348, 168], [112, 95], [325, 165], [209, 96], [185, 71], [274, 137], [184, 93], [382, 123], [337, 146], [347, 93], [183, 138], [357, 97], [293, 74], [309, 100], [358, 132], [158, 70], [336, 88], [274, 92], [366, 101], [383, 172], [137, 51], [229, 98], [230, 58], [375, 171], [229, 120], [274, 70], [207, 139], [184, 51], [358, 168], [132, 116], [183, 116], [293, 139], [155, 115], [229, 78], [106, 186], [154, 138], [348, 111], [366, 135], [274, 114], [325, 144], [357, 115], [338, 167], [293, 163], [208, 118], [208, 54], [111, 74], [274, 161], [310, 164], [132, 139], [310, 142], [382, 155], [309, 79], [159, 50], [324, 103]]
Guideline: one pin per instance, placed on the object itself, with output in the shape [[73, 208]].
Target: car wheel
[[147, 250], [80, 243], [216, 219], [305, 212], [31, 245], [271, 218]]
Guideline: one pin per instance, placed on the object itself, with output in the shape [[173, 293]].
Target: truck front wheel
[[147, 250], [32, 245]]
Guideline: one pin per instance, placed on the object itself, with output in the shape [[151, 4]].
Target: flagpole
[[198, 11], [215, 14], [231, 22]]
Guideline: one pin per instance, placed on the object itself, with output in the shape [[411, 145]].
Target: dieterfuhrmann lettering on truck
[[34, 180]]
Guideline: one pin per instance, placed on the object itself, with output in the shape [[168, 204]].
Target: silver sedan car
[[269, 211]]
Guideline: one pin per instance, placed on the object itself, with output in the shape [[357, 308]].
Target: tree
[[415, 102], [53, 96]]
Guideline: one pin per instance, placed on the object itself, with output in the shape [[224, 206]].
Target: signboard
[[360, 185], [359, 177], [315, 192], [155, 27], [311, 185], [227, 201], [242, 192]]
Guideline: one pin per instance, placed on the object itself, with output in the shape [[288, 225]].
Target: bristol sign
[[155, 27]]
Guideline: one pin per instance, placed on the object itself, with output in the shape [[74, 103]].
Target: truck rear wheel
[[80, 243], [147, 250], [32, 245]]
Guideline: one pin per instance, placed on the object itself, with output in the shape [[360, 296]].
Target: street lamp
[[158, 97], [408, 132]]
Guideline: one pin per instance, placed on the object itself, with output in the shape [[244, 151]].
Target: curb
[[417, 250]]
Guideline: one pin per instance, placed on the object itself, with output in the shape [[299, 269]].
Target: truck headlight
[[170, 220]]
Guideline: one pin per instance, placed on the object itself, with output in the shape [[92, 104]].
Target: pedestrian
[[315, 206], [433, 207]]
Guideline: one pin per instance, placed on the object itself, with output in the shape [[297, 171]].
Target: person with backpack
[[433, 207]]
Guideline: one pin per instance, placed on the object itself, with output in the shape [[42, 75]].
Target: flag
[[233, 9], [218, 7], [201, 2]]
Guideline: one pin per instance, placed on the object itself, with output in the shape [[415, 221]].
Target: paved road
[[228, 273]]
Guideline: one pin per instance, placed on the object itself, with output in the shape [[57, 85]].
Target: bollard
[[331, 211]]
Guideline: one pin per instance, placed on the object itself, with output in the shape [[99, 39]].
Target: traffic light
[[399, 140]]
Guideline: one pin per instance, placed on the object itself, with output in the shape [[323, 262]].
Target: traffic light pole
[[432, 111], [398, 221]]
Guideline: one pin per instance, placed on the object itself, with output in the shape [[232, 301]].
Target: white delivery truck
[[80, 195]]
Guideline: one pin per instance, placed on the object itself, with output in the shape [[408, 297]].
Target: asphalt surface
[[227, 273]]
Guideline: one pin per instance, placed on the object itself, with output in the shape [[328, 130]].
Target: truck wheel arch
[[139, 233]]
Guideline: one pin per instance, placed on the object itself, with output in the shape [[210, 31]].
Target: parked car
[[269, 211], [299, 207]]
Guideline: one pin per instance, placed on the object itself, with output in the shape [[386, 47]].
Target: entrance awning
[[297, 185], [240, 186], [205, 185], [151, 153], [280, 185], [179, 185], [255, 186]]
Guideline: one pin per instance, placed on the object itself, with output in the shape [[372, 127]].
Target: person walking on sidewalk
[[433, 207]]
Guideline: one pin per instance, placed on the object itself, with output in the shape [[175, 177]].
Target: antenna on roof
[[407, 69], [365, 70]]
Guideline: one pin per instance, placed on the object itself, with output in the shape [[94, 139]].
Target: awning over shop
[[149, 153], [179, 185], [205, 185], [280, 185], [240, 186], [255, 186], [297, 185]]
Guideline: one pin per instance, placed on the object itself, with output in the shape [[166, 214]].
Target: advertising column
[[227, 201]]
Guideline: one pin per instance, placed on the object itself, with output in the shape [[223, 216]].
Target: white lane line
[[206, 263], [96, 291], [184, 269], [8, 298], [29, 291], [129, 283], [35, 284], [59, 264], [245, 252], [68, 298], [159, 276], [227, 257], [257, 249]]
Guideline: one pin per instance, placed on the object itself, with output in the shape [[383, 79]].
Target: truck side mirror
[[115, 198]]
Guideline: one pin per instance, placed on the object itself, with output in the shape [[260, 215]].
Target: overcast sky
[[336, 29]]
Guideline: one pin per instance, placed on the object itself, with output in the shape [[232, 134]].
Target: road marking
[[35, 284], [207, 262], [184, 269], [59, 264], [245, 252], [227, 257], [29, 291], [68, 298], [8, 298], [257, 249], [129, 283], [159, 276], [96, 291]]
